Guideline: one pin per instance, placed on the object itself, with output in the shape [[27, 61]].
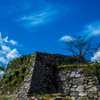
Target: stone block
[[80, 88], [82, 94], [72, 74]]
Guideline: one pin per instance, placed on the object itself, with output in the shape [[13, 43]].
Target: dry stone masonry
[[45, 77]]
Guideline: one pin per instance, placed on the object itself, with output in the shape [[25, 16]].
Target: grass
[[4, 98], [71, 65], [51, 96]]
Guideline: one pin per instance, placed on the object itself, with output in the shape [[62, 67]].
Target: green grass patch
[[6, 98], [71, 65]]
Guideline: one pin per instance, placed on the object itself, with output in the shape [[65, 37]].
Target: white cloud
[[96, 56], [93, 28], [6, 39], [7, 50], [13, 54], [3, 60], [66, 38], [13, 42], [1, 72]]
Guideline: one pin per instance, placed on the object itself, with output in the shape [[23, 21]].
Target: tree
[[81, 46]]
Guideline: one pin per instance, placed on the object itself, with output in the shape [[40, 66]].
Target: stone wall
[[45, 77], [77, 85]]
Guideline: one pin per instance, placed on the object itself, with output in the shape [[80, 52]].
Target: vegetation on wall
[[17, 70], [4, 98], [92, 70], [72, 65]]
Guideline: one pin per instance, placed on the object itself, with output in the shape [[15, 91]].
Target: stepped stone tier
[[45, 77]]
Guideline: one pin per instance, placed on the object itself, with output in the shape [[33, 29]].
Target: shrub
[[22, 76], [4, 75], [10, 77], [14, 82], [23, 69], [16, 72], [5, 81]]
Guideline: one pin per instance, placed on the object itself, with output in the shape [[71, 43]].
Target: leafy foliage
[[92, 70], [16, 72], [23, 69]]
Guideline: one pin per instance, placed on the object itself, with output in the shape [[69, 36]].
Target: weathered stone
[[77, 75], [80, 88], [82, 94], [78, 81], [88, 86], [74, 86], [72, 74], [99, 93], [93, 89], [91, 95], [73, 94], [73, 89]]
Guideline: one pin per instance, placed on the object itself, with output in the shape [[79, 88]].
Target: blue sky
[[27, 26]]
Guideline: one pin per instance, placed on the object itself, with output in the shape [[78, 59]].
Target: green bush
[[16, 72], [22, 76], [23, 69], [14, 82], [5, 81], [10, 77], [4, 75]]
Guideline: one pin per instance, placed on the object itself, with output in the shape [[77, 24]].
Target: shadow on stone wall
[[44, 78]]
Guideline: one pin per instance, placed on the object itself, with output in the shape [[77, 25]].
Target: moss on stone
[[71, 65], [17, 70]]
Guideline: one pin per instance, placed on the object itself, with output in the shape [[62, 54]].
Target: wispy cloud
[[96, 56], [66, 38], [93, 28], [36, 19], [7, 53]]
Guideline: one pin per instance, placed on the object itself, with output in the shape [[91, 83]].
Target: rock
[[82, 94], [79, 69], [88, 86], [63, 78], [78, 81], [74, 86], [99, 93], [91, 95], [77, 75], [73, 94], [90, 83], [80, 88], [93, 89], [72, 74], [73, 89]]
